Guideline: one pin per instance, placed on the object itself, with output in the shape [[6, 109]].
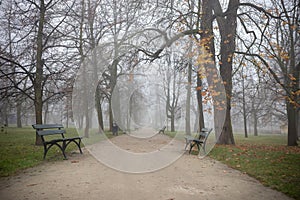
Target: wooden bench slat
[[47, 126], [51, 132], [55, 140]]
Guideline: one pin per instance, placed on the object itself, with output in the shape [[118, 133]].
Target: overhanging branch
[[277, 79]]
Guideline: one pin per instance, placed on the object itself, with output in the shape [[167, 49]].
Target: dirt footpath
[[83, 177]]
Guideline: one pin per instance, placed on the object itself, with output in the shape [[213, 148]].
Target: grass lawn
[[17, 149], [266, 158]]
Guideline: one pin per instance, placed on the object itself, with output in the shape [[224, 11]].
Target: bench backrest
[[203, 135], [49, 129]]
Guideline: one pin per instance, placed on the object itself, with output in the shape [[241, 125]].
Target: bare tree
[[172, 82], [36, 33], [277, 42]]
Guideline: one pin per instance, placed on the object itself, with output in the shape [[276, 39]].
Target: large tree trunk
[[244, 108], [172, 121], [227, 27], [19, 114], [111, 120], [292, 124], [5, 111], [255, 121], [298, 123], [226, 136], [38, 90], [294, 70], [200, 103], [99, 111]]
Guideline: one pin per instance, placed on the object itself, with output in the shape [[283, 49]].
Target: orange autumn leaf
[[204, 93], [292, 78], [198, 88]]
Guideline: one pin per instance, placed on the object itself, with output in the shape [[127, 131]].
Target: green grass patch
[[261, 139], [266, 158], [18, 150]]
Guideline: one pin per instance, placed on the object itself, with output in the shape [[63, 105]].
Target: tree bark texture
[[38, 90], [227, 27]]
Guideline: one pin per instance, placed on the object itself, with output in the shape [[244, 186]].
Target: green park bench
[[62, 142], [199, 140]]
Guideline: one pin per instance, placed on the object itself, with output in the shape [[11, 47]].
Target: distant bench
[[162, 130], [199, 141], [62, 142]]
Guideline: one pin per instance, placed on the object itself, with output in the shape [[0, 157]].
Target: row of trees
[[253, 46]]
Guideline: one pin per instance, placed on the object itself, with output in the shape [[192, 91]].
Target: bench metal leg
[[63, 149], [46, 149], [193, 144], [191, 147], [73, 140], [78, 145], [187, 143]]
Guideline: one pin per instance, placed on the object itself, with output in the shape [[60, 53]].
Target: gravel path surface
[[84, 177]]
